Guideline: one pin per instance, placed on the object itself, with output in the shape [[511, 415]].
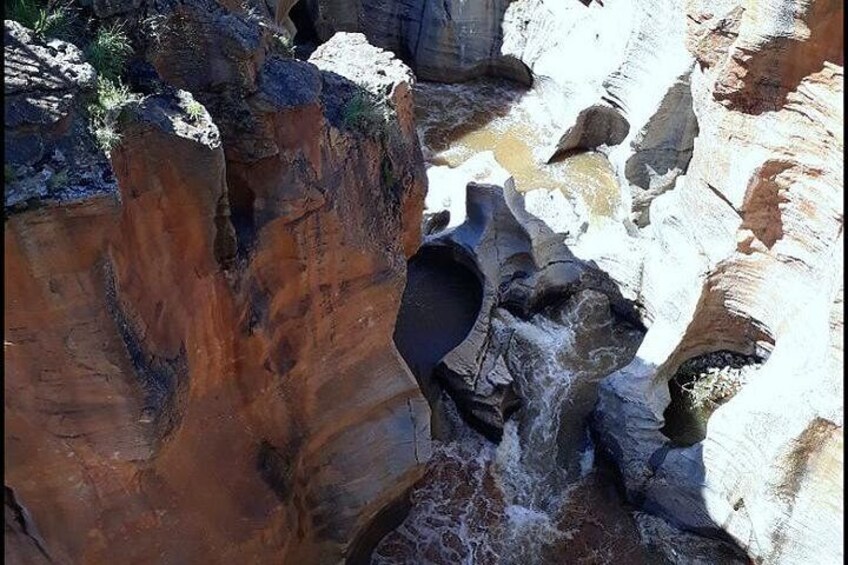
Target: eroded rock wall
[[449, 41], [201, 368], [745, 255]]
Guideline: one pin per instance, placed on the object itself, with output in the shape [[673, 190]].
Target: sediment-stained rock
[[202, 369]]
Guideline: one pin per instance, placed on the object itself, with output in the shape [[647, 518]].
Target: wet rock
[[436, 222], [49, 151], [524, 267], [606, 98], [671, 543], [595, 126]]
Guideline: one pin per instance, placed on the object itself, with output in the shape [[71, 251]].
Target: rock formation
[[743, 255], [200, 329], [450, 41], [754, 239], [522, 268], [48, 148], [201, 367]]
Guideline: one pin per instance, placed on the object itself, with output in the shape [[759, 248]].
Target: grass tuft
[[108, 51], [111, 97], [365, 113], [45, 19], [195, 111], [283, 46]]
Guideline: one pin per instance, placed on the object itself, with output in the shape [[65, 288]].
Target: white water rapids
[[508, 504], [518, 502]]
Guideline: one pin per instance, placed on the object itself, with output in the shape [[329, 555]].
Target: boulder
[[49, 152]]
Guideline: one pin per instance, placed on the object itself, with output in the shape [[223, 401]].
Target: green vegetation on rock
[[195, 110], [365, 113], [282, 45], [108, 51], [110, 98], [45, 19]]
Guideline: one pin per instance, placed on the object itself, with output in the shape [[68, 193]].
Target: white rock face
[[746, 255], [447, 184], [723, 121], [615, 76], [611, 76]]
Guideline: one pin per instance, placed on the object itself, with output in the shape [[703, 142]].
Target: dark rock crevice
[[162, 381], [440, 305], [19, 521], [699, 386]]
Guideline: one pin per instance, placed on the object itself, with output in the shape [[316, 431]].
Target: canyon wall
[[199, 362], [449, 41], [610, 75], [723, 122], [745, 255]]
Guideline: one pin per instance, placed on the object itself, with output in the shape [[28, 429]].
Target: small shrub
[[108, 51], [106, 136], [110, 98], [195, 110], [364, 113], [712, 388], [51, 19], [283, 45]]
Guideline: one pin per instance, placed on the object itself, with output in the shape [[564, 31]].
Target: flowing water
[[534, 498], [457, 121], [515, 502]]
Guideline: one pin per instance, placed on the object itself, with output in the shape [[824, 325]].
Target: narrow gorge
[[495, 282]]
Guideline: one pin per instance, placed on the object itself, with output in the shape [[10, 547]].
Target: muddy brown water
[[539, 497], [458, 121]]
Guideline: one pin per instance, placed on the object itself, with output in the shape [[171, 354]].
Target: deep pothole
[[440, 305], [699, 386]]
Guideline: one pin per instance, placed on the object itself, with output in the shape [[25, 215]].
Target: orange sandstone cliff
[[199, 365]]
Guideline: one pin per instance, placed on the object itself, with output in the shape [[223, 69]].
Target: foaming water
[[507, 504], [457, 507], [457, 121]]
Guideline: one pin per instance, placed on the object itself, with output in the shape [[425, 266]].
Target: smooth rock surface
[[523, 267], [754, 239]]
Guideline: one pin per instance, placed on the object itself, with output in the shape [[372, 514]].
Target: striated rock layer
[[201, 368], [746, 255], [445, 41]]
